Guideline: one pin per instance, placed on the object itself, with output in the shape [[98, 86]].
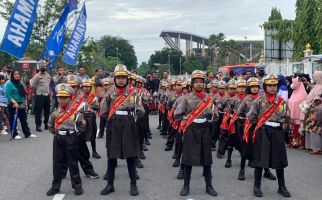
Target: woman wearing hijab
[[16, 95], [299, 95], [313, 133], [317, 89]]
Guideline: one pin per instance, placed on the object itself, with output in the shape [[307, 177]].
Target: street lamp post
[[180, 66]]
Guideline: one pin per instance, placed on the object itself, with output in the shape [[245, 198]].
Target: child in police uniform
[[65, 146]]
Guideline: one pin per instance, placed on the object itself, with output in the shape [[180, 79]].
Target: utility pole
[[180, 67]]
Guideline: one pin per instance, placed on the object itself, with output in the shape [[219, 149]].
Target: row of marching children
[[234, 114], [123, 112]]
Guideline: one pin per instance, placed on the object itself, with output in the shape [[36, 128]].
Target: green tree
[[111, 46], [160, 60], [318, 26], [305, 30]]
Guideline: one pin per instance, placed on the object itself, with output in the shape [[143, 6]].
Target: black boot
[[176, 163], [180, 175], [79, 191], [220, 156], [268, 174], [96, 155], [52, 192], [228, 164], [134, 190], [282, 190], [241, 175], [142, 156], [108, 189], [257, 191], [257, 181], [168, 148], [92, 175], [38, 129], [139, 163], [210, 190], [251, 164], [185, 190], [175, 156]]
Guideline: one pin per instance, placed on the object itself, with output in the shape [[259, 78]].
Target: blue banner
[[76, 39], [55, 42], [19, 28]]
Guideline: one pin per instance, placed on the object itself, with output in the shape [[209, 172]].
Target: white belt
[[200, 121], [121, 112], [65, 132], [42, 94], [273, 124]]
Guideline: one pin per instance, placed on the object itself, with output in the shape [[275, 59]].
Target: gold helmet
[[271, 79], [232, 84], [253, 81], [64, 90], [87, 83], [73, 80], [222, 84], [120, 70], [241, 83], [198, 74]]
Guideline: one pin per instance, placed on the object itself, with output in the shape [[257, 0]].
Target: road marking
[[59, 197]]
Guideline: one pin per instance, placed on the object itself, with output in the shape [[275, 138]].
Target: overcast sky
[[141, 21]]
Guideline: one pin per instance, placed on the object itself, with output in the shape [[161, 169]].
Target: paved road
[[26, 173]]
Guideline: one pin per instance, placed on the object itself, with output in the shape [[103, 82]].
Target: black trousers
[[103, 121], [171, 137], [165, 123], [178, 145], [223, 142], [22, 115], [258, 176], [111, 165], [83, 156], [187, 174], [42, 103], [65, 153]]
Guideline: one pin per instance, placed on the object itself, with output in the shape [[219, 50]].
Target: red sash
[[224, 124], [196, 113], [90, 99], [231, 128], [66, 115], [161, 107], [118, 102], [175, 125], [261, 120], [182, 125], [170, 115]]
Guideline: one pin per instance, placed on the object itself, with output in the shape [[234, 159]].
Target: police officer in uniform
[[65, 152], [270, 115]]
